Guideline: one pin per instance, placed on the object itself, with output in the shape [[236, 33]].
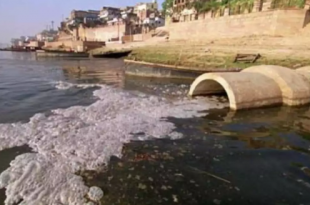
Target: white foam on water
[[33, 179], [84, 138], [61, 85]]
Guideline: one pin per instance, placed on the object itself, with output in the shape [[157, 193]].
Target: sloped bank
[[146, 69], [167, 61], [198, 58], [257, 86]]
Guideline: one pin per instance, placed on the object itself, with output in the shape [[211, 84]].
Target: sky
[[29, 17]]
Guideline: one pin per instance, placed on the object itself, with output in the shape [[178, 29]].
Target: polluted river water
[[82, 132]]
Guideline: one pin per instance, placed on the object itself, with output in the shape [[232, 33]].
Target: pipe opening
[[209, 87]]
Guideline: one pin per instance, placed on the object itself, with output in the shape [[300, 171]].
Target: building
[[146, 6], [22, 38], [14, 42], [80, 14], [144, 10], [109, 13], [17, 42], [111, 23], [182, 12], [21, 43], [29, 38], [46, 35], [128, 13], [179, 5], [34, 45], [89, 18]]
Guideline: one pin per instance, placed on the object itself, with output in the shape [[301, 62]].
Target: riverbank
[[15, 50], [219, 54]]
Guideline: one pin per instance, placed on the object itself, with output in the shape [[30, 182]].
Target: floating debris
[[142, 186], [212, 175], [175, 198], [95, 193]]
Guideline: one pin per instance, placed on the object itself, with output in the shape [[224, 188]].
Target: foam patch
[[84, 138]]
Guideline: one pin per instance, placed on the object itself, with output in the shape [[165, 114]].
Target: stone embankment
[[257, 86]]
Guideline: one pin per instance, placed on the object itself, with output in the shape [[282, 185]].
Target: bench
[[247, 58]]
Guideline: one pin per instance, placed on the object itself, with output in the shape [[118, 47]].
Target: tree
[[167, 4]]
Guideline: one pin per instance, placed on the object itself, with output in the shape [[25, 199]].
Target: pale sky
[[28, 17]]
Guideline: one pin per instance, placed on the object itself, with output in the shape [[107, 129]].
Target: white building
[[147, 6], [30, 38]]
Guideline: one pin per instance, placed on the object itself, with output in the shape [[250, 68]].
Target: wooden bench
[[247, 58]]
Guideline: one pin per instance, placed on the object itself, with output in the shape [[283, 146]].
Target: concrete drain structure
[[257, 86]]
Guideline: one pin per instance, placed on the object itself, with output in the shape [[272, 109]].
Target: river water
[[67, 125]]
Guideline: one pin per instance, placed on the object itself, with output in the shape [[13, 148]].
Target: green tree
[[166, 5]]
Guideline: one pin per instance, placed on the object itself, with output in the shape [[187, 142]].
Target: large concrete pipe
[[305, 68], [305, 71], [295, 87], [244, 90]]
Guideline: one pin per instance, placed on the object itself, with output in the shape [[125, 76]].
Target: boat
[[112, 54], [16, 50], [61, 54]]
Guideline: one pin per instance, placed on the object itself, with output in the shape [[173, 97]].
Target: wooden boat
[[61, 54], [16, 50], [112, 54]]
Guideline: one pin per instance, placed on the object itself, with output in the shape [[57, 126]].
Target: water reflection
[[97, 72], [248, 157], [168, 88], [303, 124], [22, 56], [277, 128], [111, 72]]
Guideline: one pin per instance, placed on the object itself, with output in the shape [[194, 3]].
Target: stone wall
[[74, 45], [101, 33], [65, 44], [272, 23], [290, 22], [134, 38]]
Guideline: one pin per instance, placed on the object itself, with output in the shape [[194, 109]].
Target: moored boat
[[61, 54], [112, 54]]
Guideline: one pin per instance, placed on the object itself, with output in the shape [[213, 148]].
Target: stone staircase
[[156, 35]]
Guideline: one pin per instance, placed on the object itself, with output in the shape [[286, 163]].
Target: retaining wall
[[101, 33], [75, 45], [272, 23]]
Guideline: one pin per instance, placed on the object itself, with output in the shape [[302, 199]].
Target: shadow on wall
[[257, 86]]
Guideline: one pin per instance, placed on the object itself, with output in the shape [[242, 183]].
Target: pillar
[[267, 5], [208, 15], [226, 12], [258, 4]]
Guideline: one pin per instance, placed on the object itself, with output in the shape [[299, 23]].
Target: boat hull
[[61, 54], [112, 55]]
